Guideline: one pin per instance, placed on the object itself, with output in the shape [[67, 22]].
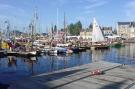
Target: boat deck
[[24, 54], [116, 76]]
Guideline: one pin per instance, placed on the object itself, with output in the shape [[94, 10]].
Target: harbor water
[[15, 68]]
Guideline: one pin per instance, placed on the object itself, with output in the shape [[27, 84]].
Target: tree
[[52, 30], [91, 26], [55, 28], [79, 25], [78, 28], [71, 29], [75, 29]]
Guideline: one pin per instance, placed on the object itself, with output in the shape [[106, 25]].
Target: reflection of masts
[[65, 62], [12, 61], [52, 63], [31, 63]]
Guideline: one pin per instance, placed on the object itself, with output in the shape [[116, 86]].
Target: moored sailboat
[[98, 40]]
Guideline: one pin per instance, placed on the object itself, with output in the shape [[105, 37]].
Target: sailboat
[[63, 47], [98, 40], [32, 27]]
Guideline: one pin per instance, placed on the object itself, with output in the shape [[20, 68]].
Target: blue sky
[[107, 12]]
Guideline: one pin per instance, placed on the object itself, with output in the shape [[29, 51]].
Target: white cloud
[[130, 10], [92, 4], [88, 11], [65, 2], [96, 4]]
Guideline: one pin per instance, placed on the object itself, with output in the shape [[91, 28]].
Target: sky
[[107, 12]]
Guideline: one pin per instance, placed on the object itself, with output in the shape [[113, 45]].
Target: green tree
[[52, 30], [55, 28], [75, 29], [71, 29], [78, 28]]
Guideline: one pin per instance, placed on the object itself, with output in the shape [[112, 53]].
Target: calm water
[[14, 68]]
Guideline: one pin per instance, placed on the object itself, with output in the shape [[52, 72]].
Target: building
[[126, 29], [86, 34], [107, 31]]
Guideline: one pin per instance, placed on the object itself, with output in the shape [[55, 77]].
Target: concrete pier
[[115, 76]]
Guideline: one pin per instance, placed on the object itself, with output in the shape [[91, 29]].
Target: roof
[[127, 23], [107, 28], [124, 23]]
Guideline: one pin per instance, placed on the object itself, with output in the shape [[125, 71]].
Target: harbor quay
[[106, 76]]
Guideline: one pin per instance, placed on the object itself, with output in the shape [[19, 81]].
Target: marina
[[19, 68], [67, 44]]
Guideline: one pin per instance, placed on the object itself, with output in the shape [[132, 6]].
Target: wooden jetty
[[115, 76]]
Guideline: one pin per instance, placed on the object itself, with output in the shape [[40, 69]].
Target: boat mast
[[34, 26], [57, 37], [7, 29], [65, 30]]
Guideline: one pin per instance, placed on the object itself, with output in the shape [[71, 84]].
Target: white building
[[126, 29]]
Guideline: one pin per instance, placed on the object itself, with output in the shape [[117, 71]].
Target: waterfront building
[[86, 34], [126, 29], [107, 31]]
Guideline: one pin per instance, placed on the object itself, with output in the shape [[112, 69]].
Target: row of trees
[[74, 29]]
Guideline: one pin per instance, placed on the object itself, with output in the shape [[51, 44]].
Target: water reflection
[[123, 55], [30, 63], [12, 62], [127, 52], [31, 66], [98, 55]]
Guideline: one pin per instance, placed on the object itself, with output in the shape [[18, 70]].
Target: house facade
[[107, 31], [126, 29]]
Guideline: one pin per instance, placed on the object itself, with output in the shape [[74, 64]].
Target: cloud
[[92, 4], [66, 2], [96, 4], [88, 11], [130, 10]]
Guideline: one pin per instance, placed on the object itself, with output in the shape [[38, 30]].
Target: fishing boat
[[98, 40], [32, 51], [61, 48]]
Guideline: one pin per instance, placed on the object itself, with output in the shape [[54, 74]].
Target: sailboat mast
[[33, 26], [57, 20], [65, 28], [35, 20]]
